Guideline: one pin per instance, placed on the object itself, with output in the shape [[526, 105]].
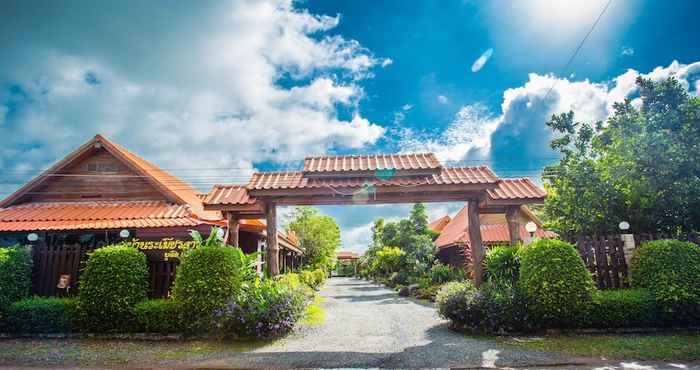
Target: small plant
[[670, 269], [113, 282], [441, 274], [15, 275], [41, 315], [158, 316], [503, 266], [555, 282]]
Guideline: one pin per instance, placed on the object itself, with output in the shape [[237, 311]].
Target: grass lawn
[[660, 347]]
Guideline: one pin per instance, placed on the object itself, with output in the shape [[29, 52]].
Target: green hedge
[[555, 282], [623, 308], [15, 275], [503, 266], [670, 269], [207, 278], [113, 282], [41, 315], [158, 316]]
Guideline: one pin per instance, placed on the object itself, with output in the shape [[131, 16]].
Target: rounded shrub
[[15, 275], [555, 282], [207, 278], [452, 299], [41, 315], [503, 265], [622, 308], [670, 269], [113, 282], [157, 316]]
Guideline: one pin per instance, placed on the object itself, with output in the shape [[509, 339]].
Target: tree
[[643, 166], [419, 218], [319, 236]]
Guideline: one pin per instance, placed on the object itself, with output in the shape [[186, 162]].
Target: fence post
[[628, 247]]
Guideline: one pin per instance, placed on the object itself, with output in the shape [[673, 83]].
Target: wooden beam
[[233, 229], [513, 225], [475, 242], [273, 268]]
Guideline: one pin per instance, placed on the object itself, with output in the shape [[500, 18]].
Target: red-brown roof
[[446, 176], [420, 161], [347, 255], [457, 232], [95, 215], [509, 189], [228, 194], [439, 224]]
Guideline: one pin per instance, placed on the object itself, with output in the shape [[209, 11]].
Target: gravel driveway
[[371, 326]]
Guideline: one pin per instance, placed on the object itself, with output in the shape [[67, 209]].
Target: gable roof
[[173, 188], [439, 224]]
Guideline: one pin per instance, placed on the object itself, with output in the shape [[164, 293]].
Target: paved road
[[371, 326]]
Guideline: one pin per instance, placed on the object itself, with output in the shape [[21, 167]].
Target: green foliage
[[208, 277], [41, 315], [388, 260], [643, 166], [622, 308], [503, 266], [112, 283], [345, 268], [158, 316], [293, 281], [555, 282], [15, 275], [313, 278], [440, 274], [670, 269], [319, 236], [453, 298]]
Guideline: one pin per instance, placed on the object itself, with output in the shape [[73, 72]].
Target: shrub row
[[15, 275], [546, 285]]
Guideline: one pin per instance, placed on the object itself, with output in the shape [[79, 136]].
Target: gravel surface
[[371, 326]]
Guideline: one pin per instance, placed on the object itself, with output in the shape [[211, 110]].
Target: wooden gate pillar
[[233, 229], [513, 225], [474, 229], [273, 249]]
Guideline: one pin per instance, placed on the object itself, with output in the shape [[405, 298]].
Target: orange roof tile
[[439, 224], [346, 255], [228, 194], [446, 176], [95, 215], [420, 161], [516, 189]]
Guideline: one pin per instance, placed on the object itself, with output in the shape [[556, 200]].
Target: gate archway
[[374, 179]]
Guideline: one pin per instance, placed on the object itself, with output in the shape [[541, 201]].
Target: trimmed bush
[[507, 310], [453, 298], [441, 274], [503, 266], [113, 282], [41, 315], [313, 278], [622, 308], [555, 282], [207, 278], [158, 316], [15, 275], [264, 310], [670, 269]]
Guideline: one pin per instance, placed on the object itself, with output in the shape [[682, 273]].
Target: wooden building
[[102, 194]]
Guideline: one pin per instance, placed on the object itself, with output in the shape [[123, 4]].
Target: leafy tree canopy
[[319, 236], [643, 166]]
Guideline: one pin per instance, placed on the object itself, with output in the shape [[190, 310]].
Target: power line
[[578, 48]]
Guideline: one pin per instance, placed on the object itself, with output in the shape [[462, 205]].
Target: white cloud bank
[[481, 61], [229, 86]]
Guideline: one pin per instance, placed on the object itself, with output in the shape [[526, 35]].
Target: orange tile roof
[[95, 215], [516, 189], [457, 232], [439, 224], [346, 255], [446, 176], [419, 161], [228, 194]]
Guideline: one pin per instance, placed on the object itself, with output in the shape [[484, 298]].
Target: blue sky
[[216, 90]]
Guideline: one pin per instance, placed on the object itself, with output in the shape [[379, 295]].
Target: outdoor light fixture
[[531, 227], [124, 233], [32, 237], [624, 225], [220, 233]]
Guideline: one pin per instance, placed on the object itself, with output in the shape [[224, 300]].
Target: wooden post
[[272, 247], [232, 231], [513, 225], [475, 242]]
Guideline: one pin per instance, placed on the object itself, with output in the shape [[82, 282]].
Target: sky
[[216, 90]]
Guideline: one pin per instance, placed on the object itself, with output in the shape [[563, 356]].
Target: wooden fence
[[53, 261], [604, 255]]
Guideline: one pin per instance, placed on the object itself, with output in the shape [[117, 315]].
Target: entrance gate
[[375, 179]]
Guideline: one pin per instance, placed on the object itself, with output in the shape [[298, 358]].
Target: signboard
[[164, 249]]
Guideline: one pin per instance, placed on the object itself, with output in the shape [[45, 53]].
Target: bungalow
[[453, 241], [102, 194]]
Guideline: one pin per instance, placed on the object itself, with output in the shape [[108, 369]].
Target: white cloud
[[481, 61], [211, 97], [407, 107], [399, 117], [442, 99], [627, 51], [387, 62]]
